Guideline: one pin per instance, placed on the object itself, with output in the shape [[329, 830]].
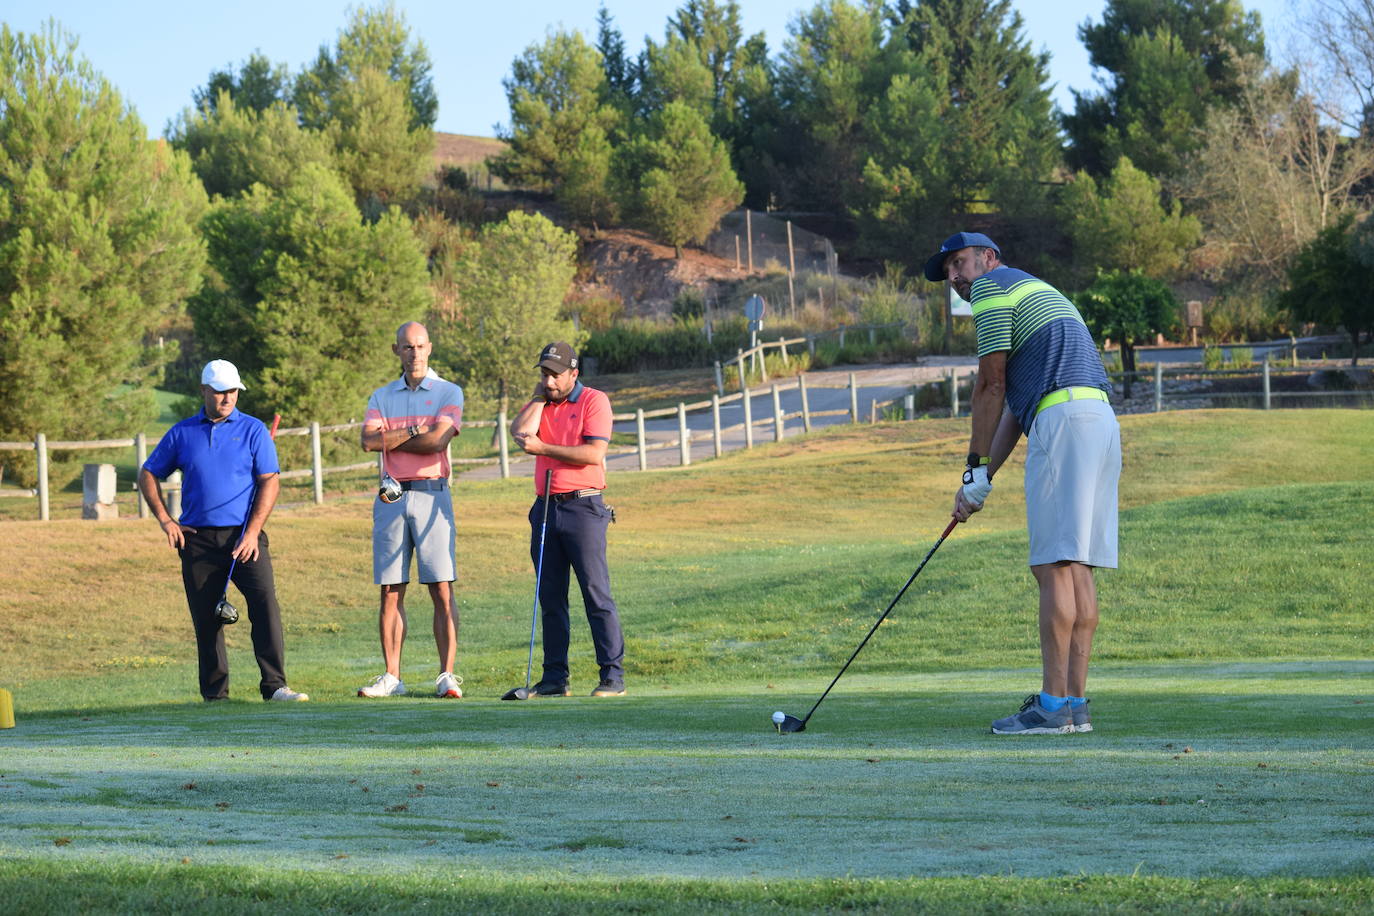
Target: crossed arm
[[429, 438]]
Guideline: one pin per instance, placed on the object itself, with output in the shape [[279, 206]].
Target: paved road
[[827, 390], [1172, 356]]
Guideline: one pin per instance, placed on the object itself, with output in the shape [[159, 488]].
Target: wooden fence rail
[[949, 391]]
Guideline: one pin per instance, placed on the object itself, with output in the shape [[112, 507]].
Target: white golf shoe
[[384, 685], [287, 695], [448, 685]]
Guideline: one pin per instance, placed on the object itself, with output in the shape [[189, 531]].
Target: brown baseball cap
[[557, 357]]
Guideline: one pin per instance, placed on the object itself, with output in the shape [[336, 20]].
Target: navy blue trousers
[[205, 562], [576, 543]]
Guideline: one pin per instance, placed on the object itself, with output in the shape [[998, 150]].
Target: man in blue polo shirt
[[1039, 374], [229, 486]]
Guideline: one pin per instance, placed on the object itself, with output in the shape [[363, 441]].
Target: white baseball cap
[[221, 375]]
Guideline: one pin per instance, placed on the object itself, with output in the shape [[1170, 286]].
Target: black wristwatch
[[413, 431], [974, 459]]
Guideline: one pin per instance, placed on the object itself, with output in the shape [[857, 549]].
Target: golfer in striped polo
[[411, 421], [1039, 374]]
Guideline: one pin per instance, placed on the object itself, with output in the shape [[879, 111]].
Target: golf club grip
[[877, 623]]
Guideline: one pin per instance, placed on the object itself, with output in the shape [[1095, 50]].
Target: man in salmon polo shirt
[[410, 421], [567, 427]]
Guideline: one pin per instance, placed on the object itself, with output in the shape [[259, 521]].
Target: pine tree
[[307, 296], [676, 178], [232, 147], [98, 245]]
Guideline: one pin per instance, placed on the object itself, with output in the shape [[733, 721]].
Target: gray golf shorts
[[420, 522], [1073, 464]]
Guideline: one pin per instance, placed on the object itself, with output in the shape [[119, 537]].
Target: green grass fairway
[[1233, 696]]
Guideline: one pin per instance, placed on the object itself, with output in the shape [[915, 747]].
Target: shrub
[[594, 312], [1242, 316], [689, 303], [773, 363], [1212, 357]]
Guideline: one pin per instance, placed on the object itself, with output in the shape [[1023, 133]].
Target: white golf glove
[[976, 485]]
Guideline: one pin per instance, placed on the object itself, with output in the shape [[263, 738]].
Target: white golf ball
[[778, 717]]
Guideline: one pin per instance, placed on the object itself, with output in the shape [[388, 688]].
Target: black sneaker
[[609, 689], [548, 689]]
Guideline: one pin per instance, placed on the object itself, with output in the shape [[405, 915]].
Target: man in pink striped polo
[[410, 421]]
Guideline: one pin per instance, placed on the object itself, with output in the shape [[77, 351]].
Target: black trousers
[[205, 562], [576, 543]]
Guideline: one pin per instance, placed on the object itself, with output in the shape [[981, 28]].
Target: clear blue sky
[[156, 52]]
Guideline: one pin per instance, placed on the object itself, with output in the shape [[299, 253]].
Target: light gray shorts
[[1073, 464], [421, 521]]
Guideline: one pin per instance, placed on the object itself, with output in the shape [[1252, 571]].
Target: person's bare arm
[[151, 488], [429, 438], [989, 399], [526, 422], [1004, 440], [264, 499], [591, 451]]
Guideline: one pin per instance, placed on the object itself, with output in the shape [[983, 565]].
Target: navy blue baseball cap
[[935, 267]]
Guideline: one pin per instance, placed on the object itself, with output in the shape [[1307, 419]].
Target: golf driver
[[524, 693], [786, 724], [389, 488], [225, 611]]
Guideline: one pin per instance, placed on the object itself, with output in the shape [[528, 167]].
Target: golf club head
[[226, 612], [390, 490], [518, 693], [790, 724]]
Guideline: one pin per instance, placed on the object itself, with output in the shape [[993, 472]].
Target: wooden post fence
[[778, 419], [716, 445], [639, 437], [316, 463], [684, 437]]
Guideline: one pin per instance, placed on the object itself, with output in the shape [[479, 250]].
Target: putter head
[[518, 693], [226, 612], [390, 491], [790, 724]]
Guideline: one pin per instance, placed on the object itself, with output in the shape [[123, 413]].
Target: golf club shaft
[[879, 621], [539, 571], [233, 557]]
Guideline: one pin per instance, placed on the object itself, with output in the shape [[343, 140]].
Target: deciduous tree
[[1128, 307], [1332, 280], [1272, 172]]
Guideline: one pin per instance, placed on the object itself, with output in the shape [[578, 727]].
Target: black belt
[[574, 494], [434, 484]]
